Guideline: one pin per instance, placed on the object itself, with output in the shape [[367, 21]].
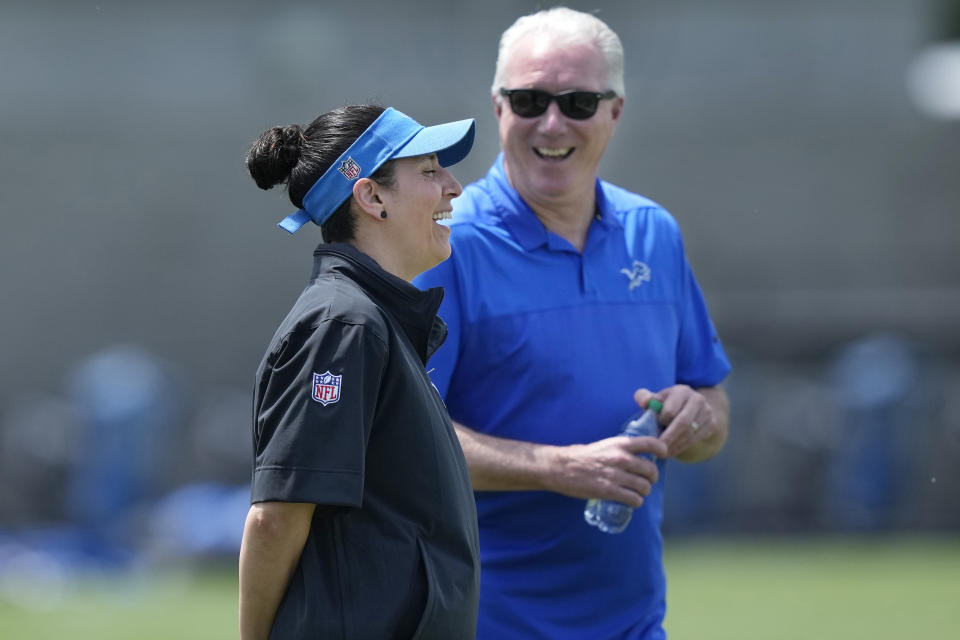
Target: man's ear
[[617, 108], [497, 105], [366, 194]]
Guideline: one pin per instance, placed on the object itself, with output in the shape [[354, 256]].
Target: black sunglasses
[[579, 105]]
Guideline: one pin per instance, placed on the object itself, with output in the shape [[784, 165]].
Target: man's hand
[[697, 420], [609, 469]]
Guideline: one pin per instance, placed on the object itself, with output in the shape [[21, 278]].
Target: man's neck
[[568, 217]]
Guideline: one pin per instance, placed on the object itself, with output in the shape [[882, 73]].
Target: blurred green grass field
[[737, 589], [852, 589]]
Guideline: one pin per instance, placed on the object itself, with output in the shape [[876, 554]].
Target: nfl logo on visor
[[349, 169], [326, 388]]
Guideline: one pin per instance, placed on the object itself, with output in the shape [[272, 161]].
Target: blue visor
[[392, 135]]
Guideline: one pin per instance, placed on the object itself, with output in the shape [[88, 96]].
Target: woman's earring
[[383, 214]]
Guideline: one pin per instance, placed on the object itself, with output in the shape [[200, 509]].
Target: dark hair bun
[[274, 155]]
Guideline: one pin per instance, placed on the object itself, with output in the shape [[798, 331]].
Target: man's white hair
[[568, 27]]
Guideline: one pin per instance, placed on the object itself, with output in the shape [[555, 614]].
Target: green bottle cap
[[655, 404]]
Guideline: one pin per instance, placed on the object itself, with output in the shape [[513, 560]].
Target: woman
[[363, 523]]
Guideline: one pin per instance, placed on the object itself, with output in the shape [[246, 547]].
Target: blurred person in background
[[362, 522], [569, 302]]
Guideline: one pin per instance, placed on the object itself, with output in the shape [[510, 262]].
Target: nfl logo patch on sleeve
[[326, 388]]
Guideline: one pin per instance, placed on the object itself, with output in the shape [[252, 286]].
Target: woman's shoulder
[[331, 319], [334, 300]]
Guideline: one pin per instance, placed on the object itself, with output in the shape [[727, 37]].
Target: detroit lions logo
[[639, 274]]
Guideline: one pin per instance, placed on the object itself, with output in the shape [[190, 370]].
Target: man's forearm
[[607, 469], [499, 464]]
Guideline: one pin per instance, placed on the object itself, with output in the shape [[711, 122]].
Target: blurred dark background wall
[[820, 204]]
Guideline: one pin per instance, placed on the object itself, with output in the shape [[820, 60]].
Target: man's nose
[[552, 119]]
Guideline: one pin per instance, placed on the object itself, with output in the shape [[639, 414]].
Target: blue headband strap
[[382, 139]]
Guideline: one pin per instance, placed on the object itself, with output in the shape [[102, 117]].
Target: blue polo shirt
[[547, 344]]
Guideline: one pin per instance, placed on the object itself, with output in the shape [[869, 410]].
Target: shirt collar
[[521, 221], [415, 310]]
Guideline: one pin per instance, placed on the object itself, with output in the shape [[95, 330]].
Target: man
[[569, 301]]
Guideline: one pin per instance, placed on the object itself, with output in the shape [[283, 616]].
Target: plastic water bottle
[[611, 516]]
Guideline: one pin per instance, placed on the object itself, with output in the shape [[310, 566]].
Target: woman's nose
[[451, 186]]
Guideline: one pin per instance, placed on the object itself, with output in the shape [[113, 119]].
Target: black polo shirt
[[346, 417]]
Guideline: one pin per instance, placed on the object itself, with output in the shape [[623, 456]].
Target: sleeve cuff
[[283, 484]]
